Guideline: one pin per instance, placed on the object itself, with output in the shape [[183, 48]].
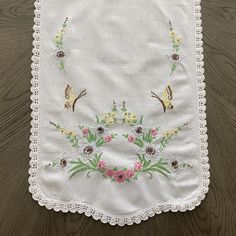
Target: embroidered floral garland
[[90, 139]]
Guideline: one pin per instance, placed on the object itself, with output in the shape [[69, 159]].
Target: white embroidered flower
[[87, 150], [176, 59], [62, 162], [62, 53], [138, 130], [100, 130], [150, 151]]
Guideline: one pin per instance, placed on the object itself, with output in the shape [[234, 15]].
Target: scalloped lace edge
[[57, 205]]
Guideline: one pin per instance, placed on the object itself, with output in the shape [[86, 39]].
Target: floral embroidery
[[71, 97], [116, 174], [130, 118], [165, 99], [71, 136], [107, 119], [176, 42], [89, 140], [111, 118], [61, 53], [175, 164], [149, 143], [61, 162]]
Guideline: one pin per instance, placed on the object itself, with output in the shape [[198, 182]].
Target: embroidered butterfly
[[165, 99], [71, 97]]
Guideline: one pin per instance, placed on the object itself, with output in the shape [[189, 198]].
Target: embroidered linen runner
[[118, 120]]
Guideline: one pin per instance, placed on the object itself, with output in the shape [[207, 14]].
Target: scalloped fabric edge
[[97, 214]]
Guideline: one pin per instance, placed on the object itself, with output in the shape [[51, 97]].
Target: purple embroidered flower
[[139, 130], [100, 130], [88, 150], [150, 151], [174, 164], [175, 57], [63, 162], [60, 54]]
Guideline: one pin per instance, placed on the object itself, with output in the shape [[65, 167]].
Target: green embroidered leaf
[[89, 172], [139, 142], [160, 171], [141, 120], [79, 170], [91, 136], [97, 118], [100, 142], [54, 163]]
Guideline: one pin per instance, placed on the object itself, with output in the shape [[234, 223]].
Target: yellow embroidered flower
[[105, 116], [133, 115], [166, 134], [170, 133], [172, 34], [178, 41], [63, 130], [72, 133], [130, 118], [113, 114]]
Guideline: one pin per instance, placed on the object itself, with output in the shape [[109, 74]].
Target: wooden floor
[[20, 215]]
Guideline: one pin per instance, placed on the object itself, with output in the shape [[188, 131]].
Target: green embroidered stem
[[168, 136], [173, 68], [60, 35], [91, 136], [176, 41], [59, 43], [139, 142], [80, 166], [147, 167], [148, 137]]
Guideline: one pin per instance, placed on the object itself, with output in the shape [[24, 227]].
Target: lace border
[[88, 210]]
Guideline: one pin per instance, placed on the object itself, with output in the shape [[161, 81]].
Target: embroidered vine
[[176, 42], [61, 53], [88, 141]]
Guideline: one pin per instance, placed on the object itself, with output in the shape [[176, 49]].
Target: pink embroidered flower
[[108, 138], [109, 172], [101, 164], [85, 131], [120, 176], [129, 173], [137, 166], [131, 138], [154, 132]]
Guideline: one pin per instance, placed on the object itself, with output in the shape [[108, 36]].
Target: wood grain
[[20, 215]]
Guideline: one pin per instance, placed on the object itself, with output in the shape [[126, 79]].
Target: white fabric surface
[[118, 51]]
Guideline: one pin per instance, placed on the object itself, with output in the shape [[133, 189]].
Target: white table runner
[[118, 129]]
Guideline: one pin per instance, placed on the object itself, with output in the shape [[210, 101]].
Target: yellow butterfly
[[71, 97], [165, 99]]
